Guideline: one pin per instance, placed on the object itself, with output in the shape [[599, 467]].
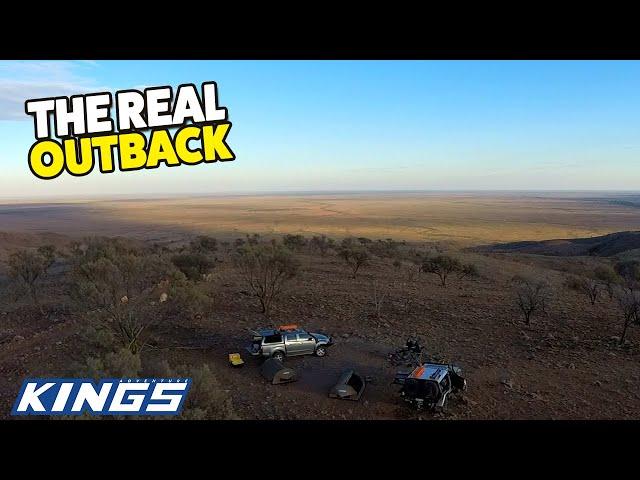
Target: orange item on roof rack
[[286, 328]]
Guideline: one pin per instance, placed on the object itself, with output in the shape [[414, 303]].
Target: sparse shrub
[[321, 244], [608, 278], [266, 270], [468, 270], [204, 244], [532, 296], [397, 263], [379, 296], [585, 285], [294, 242], [413, 270], [629, 272], [188, 299], [253, 239], [385, 248], [206, 400], [238, 242], [120, 363], [364, 240], [348, 242], [442, 266], [193, 265], [27, 268], [355, 256]]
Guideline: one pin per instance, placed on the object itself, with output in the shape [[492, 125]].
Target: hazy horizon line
[[275, 193]]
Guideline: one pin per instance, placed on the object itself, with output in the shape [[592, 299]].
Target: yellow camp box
[[235, 360]]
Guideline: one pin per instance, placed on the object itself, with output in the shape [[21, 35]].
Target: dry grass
[[465, 219]]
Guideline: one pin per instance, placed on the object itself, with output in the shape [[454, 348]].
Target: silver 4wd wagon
[[288, 340]]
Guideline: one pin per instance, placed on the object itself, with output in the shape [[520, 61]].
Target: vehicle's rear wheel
[[278, 356], [321, 351]]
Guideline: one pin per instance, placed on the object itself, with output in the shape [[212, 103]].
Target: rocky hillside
[[602, 246]]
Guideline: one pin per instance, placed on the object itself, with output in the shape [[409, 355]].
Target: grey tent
[[275, 372], [350, 386]]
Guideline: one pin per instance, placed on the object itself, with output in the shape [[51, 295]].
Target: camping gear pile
[[409, 356], [426, 386]]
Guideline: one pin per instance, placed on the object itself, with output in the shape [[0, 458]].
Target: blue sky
[[345, 125]]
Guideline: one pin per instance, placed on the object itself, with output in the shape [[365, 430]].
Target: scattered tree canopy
[[193, 265], [442, 266], [266, 270], [355, 256], [28, 267]]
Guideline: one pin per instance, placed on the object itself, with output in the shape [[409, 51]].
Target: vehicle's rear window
[[273, 339], [427, 389]]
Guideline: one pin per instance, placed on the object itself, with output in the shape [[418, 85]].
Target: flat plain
[[549, 369], [463, 218]]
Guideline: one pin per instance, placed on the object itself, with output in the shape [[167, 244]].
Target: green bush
[[193, 265], [27, 268], [321, 244], [204, 244], [294, 242], [442, 266], [206, 399]]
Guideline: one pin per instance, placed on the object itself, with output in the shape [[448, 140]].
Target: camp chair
[[235, 360]]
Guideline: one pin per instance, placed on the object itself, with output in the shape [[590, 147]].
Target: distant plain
[[461, 218]]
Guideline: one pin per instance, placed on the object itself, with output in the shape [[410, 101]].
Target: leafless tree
[[413, 270], [379, 296], [467, 270], [629, 301], [590, 287], [532, 296]]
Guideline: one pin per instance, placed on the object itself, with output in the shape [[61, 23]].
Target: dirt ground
[[565, 365]]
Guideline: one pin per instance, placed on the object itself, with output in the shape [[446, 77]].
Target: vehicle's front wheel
[[321, 351], [279, 356]]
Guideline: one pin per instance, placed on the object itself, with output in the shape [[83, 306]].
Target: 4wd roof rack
[[288, 328]]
